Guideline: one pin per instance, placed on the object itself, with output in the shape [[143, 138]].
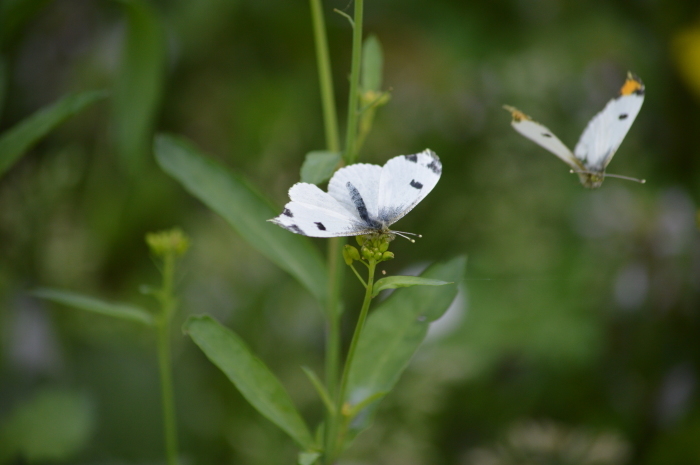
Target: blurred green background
[[575, 338]]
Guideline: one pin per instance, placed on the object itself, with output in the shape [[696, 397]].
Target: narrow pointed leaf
[[394, 282], [249, 374], [17, 140], [90, 304], [308, 458], [139, 85], [318, 166], [393, 333], [372, 64], [243, 208]]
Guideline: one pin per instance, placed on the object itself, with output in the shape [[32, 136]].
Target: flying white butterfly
[[361, 198], [599, 141]]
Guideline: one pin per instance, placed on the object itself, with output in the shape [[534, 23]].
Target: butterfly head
[[591, 180]]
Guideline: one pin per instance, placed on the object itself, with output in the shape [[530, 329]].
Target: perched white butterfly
[[599, 141], [361, 198]]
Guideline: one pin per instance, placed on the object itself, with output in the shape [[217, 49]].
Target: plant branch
[[353, 100]]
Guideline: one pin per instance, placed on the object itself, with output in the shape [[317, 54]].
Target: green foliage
[[52, 426], [395, 282], [90, 304], [20, 138], [249, 374], [393, 333], [139, 85], [246, 210], [14, 14], [319, 166]]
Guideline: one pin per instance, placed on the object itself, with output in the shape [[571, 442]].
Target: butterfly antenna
[[405, 235], [606, 175]]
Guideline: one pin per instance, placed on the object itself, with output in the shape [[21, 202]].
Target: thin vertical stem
[[330, 116], [353, 100], [351, 355], [164, 360], [335, 270]]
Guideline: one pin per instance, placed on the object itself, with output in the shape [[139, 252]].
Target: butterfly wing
[[607, 129], [542, 136], [356, 188], [405, 181], [315, 213]]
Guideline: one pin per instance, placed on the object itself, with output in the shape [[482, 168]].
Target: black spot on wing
[[287, 213], [622, 116], [361, 207], [413, 158], [416, 184], [320, 226], [545, 134], [358, 201], [435, 166], [295, 229]]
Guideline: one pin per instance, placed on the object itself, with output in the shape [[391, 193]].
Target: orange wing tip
[[633, 85], [517, 114]]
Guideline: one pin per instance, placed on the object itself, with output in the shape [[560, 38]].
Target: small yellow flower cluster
[[172, 241]]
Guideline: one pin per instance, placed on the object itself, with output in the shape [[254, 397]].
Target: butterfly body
[[599, 141], [362, 199]]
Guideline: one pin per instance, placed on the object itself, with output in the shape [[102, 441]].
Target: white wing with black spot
[[607, 129], [315, 213], [542, 136], [405, 181]]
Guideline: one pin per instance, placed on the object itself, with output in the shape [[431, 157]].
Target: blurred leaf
[[138, 89], [394, 282], [308, 458], [372, 65], [53, 426], [245, 209], [393, 333], [82, 302], [14, 14], [17, 140], [249, 374], [319, 166]]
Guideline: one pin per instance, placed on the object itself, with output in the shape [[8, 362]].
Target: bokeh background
[[575, 337]]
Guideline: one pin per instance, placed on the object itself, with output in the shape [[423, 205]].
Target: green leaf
[[372, 64], [308, 458], [249, 374], [394, 282], [318, 166], [20, 138], [393, 333], [52, 426], [139, 85], [83, 302], [243, 208]]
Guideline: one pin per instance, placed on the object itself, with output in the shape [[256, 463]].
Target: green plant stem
[[330, 116], [353, 100], [164, 360], [339, 418], [335, 269]]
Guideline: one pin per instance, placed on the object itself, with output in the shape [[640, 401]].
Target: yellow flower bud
[[387, 256], [172, 241]]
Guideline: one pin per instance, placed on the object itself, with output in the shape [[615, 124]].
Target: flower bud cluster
[[172, 241], [372, 248]]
